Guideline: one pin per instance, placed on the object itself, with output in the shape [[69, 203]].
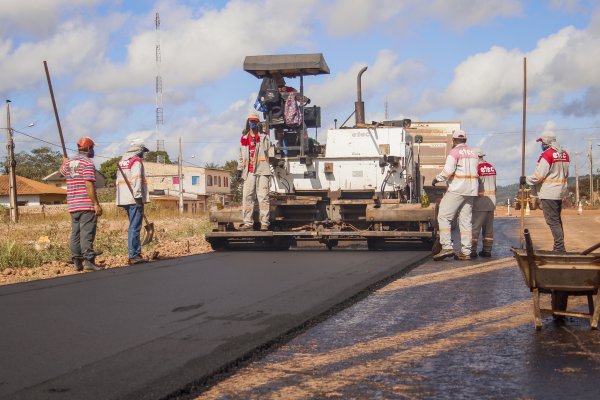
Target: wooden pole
[[180, 175], [62, 140], [12, 173], [522, 225]]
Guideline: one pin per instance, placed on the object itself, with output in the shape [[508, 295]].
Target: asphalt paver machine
[[364, 184]]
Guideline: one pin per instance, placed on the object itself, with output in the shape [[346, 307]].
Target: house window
[[208, 180], [195, 180], [226, 182], [219, 181]]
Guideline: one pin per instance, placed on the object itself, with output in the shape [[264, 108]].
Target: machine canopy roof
[[288, 65]]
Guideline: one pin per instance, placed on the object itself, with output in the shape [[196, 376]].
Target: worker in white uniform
[[460, 171], [483, 207]]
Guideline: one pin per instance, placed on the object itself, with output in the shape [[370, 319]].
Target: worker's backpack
[[291, 113], [269, 94]]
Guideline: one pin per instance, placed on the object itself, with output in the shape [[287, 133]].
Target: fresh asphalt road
[[148, 330]]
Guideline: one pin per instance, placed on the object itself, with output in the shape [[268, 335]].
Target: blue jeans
[[134, 244]]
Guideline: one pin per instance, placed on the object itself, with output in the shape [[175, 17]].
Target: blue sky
[[431, 60]]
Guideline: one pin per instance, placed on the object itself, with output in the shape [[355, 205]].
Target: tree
[[212, 165], [152, 156], [236, 187], [109, 169], [36, 164]]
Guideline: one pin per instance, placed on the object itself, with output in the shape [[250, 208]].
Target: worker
[[132, 166], [82, 204], [254, 169], [550, 181], [460, 171], [483, 207]]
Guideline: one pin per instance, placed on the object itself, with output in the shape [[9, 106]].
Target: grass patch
[[18, 255]]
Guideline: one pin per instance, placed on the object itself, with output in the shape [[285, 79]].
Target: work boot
[[474, 254], [462, 256], [246, 227], [136, 260], [484, 253], [88, 265], [78, 264], [444, 253], [264, 227]]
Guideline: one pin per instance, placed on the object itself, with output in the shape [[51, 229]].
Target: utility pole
[[576, 180], [591, 176], [12, 176], [180, 173]]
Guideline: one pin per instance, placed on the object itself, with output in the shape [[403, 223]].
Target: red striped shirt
[[78, 170]]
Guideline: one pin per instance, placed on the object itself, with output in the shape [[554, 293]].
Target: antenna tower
[[160, 144], [386, 109]]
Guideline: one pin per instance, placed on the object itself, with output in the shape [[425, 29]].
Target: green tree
[[212, 165], [36, 164], [109, 169], [236, 187], [152, 156]]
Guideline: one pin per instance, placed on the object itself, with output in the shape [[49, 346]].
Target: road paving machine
[[366, 183]]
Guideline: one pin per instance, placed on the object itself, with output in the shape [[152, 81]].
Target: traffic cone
[[580, 209], [527, 209]]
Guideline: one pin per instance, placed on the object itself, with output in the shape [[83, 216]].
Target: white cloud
[[39, 17], [195, 51], [346, 17], [561, 65]]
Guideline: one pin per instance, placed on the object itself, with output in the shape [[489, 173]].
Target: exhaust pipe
[[359, 106]]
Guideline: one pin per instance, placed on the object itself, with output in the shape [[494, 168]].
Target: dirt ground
[[581, 231], [174, 237]]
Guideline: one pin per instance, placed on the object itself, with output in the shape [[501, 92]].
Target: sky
[[429, 60]]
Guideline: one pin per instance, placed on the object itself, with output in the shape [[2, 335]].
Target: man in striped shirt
[[82, 204]]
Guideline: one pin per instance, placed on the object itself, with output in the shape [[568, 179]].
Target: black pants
[[83, 233], [552, 210]]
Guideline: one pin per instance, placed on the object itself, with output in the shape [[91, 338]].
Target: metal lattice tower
[[160, 144]]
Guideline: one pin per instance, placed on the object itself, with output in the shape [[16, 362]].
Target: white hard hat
[[459, 134]]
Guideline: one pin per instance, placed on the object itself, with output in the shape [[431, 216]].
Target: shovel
[[149, 227]]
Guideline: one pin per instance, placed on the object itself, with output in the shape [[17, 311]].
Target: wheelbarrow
[[561, 275]]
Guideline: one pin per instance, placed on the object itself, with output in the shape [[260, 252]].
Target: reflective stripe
[[487, 193], [465, 176]]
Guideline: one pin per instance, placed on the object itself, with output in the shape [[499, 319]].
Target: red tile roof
[[28, 186]]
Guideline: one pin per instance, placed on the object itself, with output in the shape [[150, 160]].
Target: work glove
[[139, 203], [523, 181], [434, 181], [238, 175]]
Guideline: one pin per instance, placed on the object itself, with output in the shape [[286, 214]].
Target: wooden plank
[[537, 314]]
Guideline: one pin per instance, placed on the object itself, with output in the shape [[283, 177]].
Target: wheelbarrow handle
[[590, 249]]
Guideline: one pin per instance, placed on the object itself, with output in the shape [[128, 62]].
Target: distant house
[[57, 179], [201, 186], [31, 193]]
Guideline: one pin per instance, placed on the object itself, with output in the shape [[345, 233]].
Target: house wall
[[22, 199], [195, 179]]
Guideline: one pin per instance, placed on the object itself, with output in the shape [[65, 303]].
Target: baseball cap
[[137, 145], [85, 142], [253, 116], [479, 152], [458, 134], [547, 138]]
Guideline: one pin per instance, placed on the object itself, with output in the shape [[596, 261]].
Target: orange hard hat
[[85, 143]]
